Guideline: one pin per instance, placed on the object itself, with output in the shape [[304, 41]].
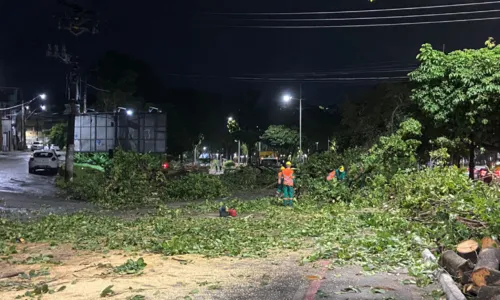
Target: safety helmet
[[282, 168], [341, 169], [288, 163]]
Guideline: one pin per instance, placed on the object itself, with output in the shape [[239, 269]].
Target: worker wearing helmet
[[340, 173], [288, 180], [280, 182]]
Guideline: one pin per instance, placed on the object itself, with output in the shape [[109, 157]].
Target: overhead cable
[[375, 17], [355, 11], [358, 25]]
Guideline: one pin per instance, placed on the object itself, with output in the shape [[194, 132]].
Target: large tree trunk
[[486, 270], [489, 293], [455, 265], [472, 158]]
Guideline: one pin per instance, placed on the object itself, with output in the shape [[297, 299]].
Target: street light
[[43, 96], [230, 119], [204, 148], [287, 98], [43, 107], [130, 112]]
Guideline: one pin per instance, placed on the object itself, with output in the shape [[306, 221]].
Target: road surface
[[22, 192]]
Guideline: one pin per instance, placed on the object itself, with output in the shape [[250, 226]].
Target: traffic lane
[[26, 195], [15, 178]]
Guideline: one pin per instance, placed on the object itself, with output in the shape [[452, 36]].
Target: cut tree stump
[[486, 270], [454, 264], [468, 250], [489, 293], [488, 242]]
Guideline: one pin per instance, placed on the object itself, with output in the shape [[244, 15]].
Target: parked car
[[36, 146], [44, 160]]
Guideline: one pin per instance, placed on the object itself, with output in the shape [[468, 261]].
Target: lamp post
[[287, 98], [23, 119]]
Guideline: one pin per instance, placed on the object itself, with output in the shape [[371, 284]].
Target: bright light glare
[[43, 107], [204, 148], [230, 119], [43, 96], [130, 112], [287, 98]]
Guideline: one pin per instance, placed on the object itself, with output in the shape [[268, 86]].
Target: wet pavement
[[21, 192]]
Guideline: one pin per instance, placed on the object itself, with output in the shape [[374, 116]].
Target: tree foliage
[[58, 134], [281, 138], [375, 113], [460, 91]]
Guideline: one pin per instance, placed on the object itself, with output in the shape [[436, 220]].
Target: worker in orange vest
[[288, 180], [280, 182]]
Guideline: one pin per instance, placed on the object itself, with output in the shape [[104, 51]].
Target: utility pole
[[77, 20]]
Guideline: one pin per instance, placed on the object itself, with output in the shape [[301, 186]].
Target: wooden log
[[449, 287], [486, 270], [489, 293], [9, 275], [454, 264], [468, 250], [488, 242], [470, 289]]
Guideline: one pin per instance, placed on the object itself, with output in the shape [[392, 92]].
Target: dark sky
[[173, 38]]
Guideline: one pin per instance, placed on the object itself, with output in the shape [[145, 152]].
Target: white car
[[44, 160], [36, 146]]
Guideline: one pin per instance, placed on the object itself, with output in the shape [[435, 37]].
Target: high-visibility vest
[[280, 177], [330, 176], [288, 177]]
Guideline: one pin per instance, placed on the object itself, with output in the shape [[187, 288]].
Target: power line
[[292, 79], [356, 11], [377, 17], [361, 25]]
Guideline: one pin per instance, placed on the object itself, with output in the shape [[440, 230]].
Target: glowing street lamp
[[43, 107], [42, 96], [230, 119], [287, 98], [130, 112]]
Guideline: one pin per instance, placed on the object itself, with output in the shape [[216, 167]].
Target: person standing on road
[[279, 190], [288, 181]]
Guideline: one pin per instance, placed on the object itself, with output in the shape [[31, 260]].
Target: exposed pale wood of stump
[[486, 270], [489, 293], [488, 242], [454, 264], [468, 250]]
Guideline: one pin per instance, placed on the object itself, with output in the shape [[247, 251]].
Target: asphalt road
[[21, 192]]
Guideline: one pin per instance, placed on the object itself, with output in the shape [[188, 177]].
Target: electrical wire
[[291, 79], [360, 25], [355, 11], [376, 17]]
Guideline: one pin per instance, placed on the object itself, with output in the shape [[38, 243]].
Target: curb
[[445, 281]]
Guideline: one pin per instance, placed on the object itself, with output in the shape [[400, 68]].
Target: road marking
[[315, 284]]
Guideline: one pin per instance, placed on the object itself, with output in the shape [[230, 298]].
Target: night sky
[[175, 38]]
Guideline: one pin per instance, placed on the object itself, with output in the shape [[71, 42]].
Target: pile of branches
[[475, 269]]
